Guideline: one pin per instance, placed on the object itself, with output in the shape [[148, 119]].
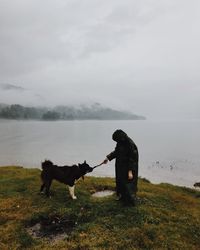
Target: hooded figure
[[126, 166]]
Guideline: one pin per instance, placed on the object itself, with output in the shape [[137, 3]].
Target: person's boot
[[118, 197]]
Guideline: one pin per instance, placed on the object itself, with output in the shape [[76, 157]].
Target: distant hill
[[83, 112]]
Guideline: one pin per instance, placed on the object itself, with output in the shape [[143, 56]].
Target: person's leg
[[118, 190], [129, 198], [123, 192]]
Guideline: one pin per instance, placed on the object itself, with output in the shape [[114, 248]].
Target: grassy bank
[[166, 216]]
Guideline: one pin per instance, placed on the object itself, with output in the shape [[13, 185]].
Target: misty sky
[[137, 55]]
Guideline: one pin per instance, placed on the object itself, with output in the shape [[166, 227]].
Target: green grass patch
[[165, 217]]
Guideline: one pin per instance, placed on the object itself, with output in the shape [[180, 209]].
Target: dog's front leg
[[71, 192]]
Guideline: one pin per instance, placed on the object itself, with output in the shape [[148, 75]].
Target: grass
[[165, 217]]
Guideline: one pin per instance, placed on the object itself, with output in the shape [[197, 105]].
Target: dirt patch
[[52, 228]]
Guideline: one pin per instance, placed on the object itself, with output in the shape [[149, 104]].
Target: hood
[[119, 136]]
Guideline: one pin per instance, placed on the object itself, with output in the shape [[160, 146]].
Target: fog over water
[[141, 56], [169, 151]]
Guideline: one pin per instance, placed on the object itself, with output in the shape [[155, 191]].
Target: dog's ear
[[85, 161], [79, 164]]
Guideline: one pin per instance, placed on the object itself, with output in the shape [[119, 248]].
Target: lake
[[169, 150]]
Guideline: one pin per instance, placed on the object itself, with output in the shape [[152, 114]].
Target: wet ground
[[52, 228], [103, 193]]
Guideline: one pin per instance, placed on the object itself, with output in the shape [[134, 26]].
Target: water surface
[[169, 150]]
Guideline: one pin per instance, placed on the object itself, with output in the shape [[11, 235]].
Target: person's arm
[[110, 157]]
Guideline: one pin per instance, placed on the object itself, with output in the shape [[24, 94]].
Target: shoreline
[[154, 182]]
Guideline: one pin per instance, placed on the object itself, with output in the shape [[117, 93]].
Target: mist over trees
[[83, 112]]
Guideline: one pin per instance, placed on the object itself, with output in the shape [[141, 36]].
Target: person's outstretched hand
[[105, 161]]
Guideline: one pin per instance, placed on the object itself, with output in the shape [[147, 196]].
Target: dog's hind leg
[[42, 188], [48, 185], [71, 192]]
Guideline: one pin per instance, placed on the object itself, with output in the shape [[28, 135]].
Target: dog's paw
[[74, 197]]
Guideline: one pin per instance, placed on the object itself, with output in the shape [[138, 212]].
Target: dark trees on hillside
[[97, 112]]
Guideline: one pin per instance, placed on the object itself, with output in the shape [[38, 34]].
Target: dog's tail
[[46, 164]]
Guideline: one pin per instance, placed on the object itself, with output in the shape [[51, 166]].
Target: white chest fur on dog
[[71, 190]]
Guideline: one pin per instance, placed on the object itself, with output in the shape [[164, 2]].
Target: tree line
[[95, 111]]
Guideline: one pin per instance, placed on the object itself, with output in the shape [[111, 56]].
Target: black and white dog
[[65, 174]]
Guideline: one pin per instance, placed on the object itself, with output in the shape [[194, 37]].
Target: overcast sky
[[136, 55]]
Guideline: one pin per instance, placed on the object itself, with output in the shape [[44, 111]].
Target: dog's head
[[46, 164], [84, 168]]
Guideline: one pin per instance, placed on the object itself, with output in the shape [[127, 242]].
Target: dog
[[197, 184], [64, 174]]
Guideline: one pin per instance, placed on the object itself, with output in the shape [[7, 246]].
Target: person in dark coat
[[126, 166]]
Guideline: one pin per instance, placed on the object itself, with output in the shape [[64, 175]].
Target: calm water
[[169, 151]]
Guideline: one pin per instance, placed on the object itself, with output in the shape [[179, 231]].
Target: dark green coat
[[126, 155]]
